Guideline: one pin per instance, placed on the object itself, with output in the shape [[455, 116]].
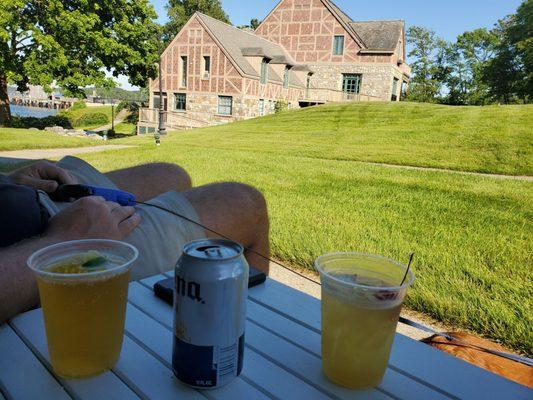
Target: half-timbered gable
[[304, 52]]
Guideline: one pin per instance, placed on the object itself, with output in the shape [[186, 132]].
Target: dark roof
[[379, 35], [240, 44], [344, 19]]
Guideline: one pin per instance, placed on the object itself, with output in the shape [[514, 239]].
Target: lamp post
[[161, 129]]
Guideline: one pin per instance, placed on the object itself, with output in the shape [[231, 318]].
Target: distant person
[[30, 220]]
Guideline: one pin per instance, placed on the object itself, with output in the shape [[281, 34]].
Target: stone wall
[[376, 79], [202, 110]]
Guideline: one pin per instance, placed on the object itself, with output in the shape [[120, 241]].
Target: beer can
[[211, 287]]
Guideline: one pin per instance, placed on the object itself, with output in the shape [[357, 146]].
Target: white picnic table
[[281, 359]]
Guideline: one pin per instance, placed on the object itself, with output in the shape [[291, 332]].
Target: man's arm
[[18, 288], [87, 218]]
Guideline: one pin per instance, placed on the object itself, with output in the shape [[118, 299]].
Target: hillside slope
[[492, 139]]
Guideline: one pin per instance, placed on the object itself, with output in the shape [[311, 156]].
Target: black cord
[[228, 238]]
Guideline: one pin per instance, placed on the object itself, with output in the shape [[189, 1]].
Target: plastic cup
[[361, 300], [84, 312]]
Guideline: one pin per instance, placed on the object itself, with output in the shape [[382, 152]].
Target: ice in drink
[[361, 303], [83, 287]]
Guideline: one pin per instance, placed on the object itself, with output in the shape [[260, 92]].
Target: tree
[[179, 12], [425, 85], [509, 75], [520, 35], [464, 63], [254, 23], [73, 43]]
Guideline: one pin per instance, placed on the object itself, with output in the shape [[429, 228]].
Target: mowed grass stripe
[[471, 235], [492, 139]]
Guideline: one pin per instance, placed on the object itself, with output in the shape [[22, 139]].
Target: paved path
[[432, 169], [497, 176], [38, 154]]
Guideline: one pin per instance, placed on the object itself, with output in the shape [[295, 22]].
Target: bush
[[281, 105], [40, 123], [96, 118], [78, 105]]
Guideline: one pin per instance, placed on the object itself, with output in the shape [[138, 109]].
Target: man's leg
[[238, 211], [150, 180]]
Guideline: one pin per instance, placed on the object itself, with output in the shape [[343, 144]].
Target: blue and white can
[[211, 287]]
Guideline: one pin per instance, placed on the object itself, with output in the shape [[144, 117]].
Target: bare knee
[[250, 200], [172, 173]]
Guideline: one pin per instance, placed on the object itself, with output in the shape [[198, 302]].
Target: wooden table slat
[[412, 358], [149, 376], [22, 376], [263, 373], [106, 385], [393, 381], [295, 333], [308, 367], [158, 340]]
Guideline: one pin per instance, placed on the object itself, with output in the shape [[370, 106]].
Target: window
[[307, 85], [351, 83], [286, 79], [180, 101], [207, 66], [264, 71], [184, 71], [157, 101], [338, 45], [225, 105], [261, 107], [394, 95]]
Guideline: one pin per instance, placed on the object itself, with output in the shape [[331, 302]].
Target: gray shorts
[[159, 237]]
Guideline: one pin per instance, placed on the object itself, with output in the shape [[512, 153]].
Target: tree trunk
[[5, 112]]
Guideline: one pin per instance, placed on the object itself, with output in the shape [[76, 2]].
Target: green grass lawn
[[493, 139], [471, 235], [126, 128], [19, 139]]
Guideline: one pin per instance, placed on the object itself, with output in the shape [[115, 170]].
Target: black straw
[[408, 267]]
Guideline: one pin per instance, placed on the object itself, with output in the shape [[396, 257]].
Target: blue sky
[[448, 18]]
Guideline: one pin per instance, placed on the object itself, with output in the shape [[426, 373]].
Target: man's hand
[[42, 175], [93, 218]]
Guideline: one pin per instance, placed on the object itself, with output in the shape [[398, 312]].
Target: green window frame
[[264, 71], [180, 101], [286, 78], [351, 83], [225, 105], [261, 107], [338, 45]]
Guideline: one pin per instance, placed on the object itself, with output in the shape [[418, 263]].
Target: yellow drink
[[84, 323], [362, 297], [356, 341], [84, 303]]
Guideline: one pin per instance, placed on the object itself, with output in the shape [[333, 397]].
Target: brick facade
[[296, 40]]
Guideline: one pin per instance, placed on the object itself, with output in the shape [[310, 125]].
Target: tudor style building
[[304, 52]]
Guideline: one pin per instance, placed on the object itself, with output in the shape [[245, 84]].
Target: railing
[[171, 118], [330, 96]]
